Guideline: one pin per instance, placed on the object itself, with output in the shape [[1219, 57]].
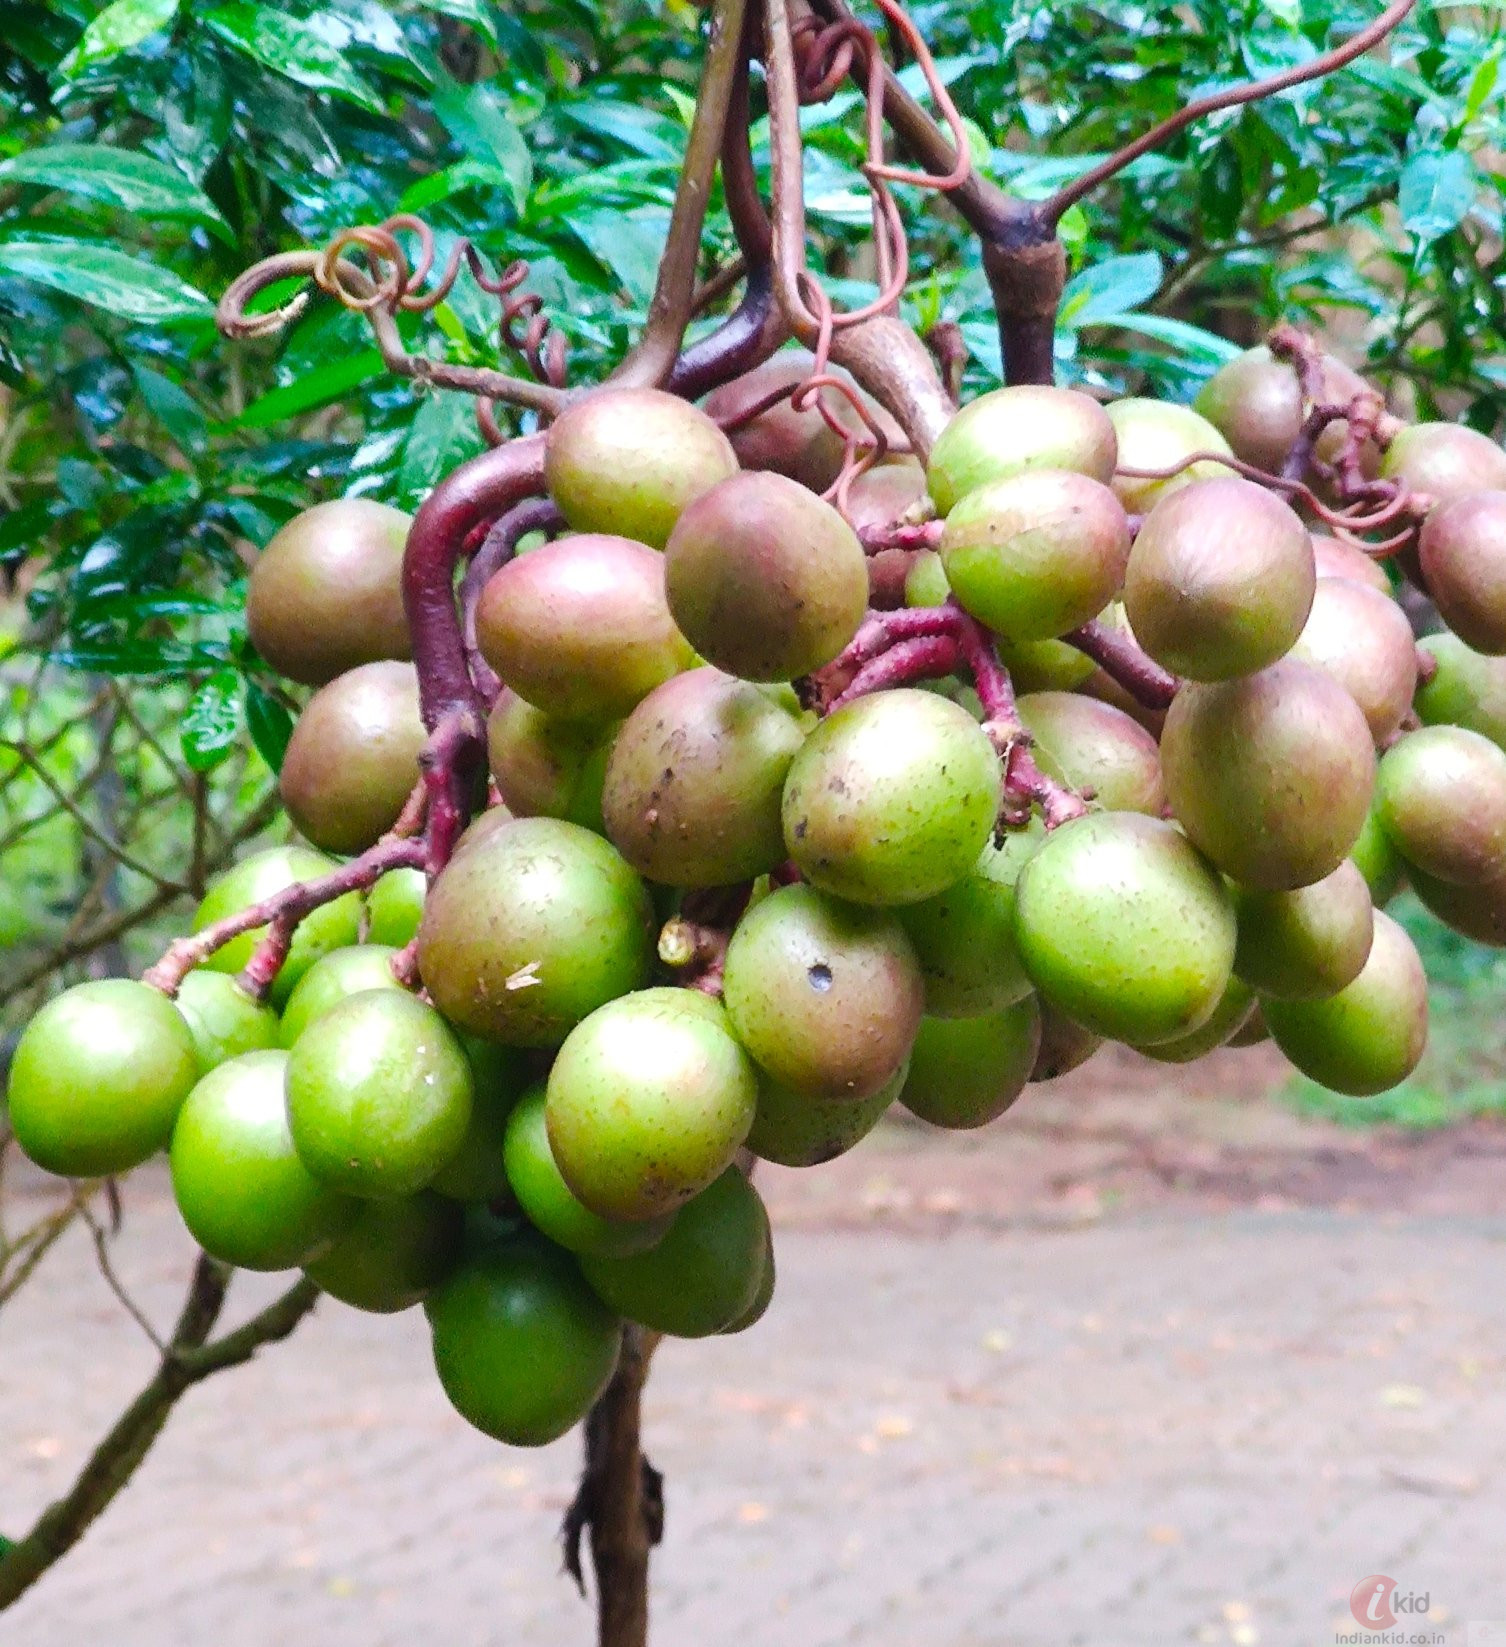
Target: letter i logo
[[1370, 1602]]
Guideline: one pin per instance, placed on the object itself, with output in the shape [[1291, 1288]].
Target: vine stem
[[1117, 655]]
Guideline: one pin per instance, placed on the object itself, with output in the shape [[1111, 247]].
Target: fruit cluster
[[796, 811]]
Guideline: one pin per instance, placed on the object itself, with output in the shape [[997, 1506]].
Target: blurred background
[[1164, 1355]]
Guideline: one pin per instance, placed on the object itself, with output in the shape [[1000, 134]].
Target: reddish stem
[[1118, 657], [924, 658], [498, 546], [902, 534]]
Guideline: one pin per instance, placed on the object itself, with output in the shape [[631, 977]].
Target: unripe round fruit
[[825, 997], [630, 460], [395, 906], [879, 496], [1270, 775], [1065, 1045], [1462, 554], [331, 926], [1125, 927], [98, 1077], [1336, 559], [1220, 580], [965, 1072], [694, 783], [394, 1254], [767, 581], [580, 627], [477, 1171], [1235, 1008], [925, 581], [1362, 638], [1467, 689], [762, 1297], [964, 937], [531, 927], [649, 1099], [795, 1131], [1256, 403], [379, 1095], [224, 1020], [522, 1345], [1441, 799], [244, 1194], [1010, 430], [1444, 461], [1369, 1036], [891, 798], [548, 1201], [332, 979], [704, 1274], [353, 758], [1036, 554], [1154, 434], [1096, 750], [547, 768], [1307, 944], [1044, 666], [1476, 911], [1378, 861], [326, 594]]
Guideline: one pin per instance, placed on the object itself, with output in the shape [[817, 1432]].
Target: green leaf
[[105, 278], [1112, 287], [627, 243], [173, 407], [474, 12], [212, 725], [126, 178], [290, 47], [1438, 187], [1287, 11], [116, 29], [313, 389], [443, 434], [1199, 347], [269, 724], [1482, 83], [475, 118]]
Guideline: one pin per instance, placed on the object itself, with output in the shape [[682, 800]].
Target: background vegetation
[[149, 150]]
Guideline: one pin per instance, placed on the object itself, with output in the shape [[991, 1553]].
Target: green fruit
[[1220, 580], [649, 1099], [244, 1194], [546, 768], [352, 761], [767, 581], [764, 1296], [580, 628], [393, 1255], [1305, 944], [1362, 638], [693, 786], [263, 874], [795, 1131], [1233, 1012], [1477, 911], [551, 1205], [964, 937], [1466, 689], [965, 1072], [523, 1347], [1095, 749], [1270, 775], [1065, 1046], [1444, 461], [395, 906], [1012, 430], [379, 1095], [1369, 1036], [224, 1019], [477, 1170], [1044, 666], [332, 979], [1440, 795], [1153, 434], [98, 1077], [891, 798], [1378, 861], [825, 997], [326, 594], [704, 1274], [630, 460], [926, 581], [530, 927], [1125, 927]]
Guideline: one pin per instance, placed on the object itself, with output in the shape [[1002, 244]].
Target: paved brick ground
[[1168, 1425]]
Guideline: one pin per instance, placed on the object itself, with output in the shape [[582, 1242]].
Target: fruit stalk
[[497, 548], [1122, 661]]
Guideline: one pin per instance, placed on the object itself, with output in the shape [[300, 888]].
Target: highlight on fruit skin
[[1444, 461], [1461, 553], [1441, 799], [1362, 638], [1156, 434]]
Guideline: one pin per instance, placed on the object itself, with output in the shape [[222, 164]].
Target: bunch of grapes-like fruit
[[814, 788]]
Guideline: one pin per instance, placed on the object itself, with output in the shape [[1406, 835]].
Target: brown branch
[[189, 1358], [1117, 655]]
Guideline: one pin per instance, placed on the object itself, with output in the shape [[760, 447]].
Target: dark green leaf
[[173, 407], [117, 28], [1112, 287], [269, 724], [105, 278], [475, 12], [1438, 187], [312, 389], [475, 117], [288, 45], [212, 725], [120, 177], [443, 434]]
